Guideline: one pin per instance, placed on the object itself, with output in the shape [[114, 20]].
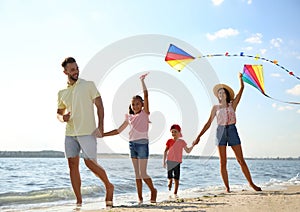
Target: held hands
[[97, 133], [195, 142]]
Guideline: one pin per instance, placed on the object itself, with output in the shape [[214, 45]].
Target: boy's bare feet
[[170, 186]]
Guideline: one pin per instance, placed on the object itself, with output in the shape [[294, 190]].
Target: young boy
[[173, 156]]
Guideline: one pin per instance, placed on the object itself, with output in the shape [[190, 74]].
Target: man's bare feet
[[109, 195], [153, 196]]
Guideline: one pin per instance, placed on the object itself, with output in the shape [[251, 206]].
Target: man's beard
[[73, 78]]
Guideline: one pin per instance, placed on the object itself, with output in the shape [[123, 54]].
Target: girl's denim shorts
[[139, 149]]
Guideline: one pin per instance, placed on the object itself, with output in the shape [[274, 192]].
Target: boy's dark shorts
[[173, 170]]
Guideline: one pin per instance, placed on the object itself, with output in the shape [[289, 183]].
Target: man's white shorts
[[86, 143]]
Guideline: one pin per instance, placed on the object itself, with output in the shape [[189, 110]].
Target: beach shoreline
[[201, 188], [285, 199]]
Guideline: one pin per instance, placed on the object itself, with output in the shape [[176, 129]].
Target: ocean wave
[[59, 194], [33, 197], [46, 195], [277, 183]]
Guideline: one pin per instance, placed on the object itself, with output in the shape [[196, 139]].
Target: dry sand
[[282, 200], [285, 199]]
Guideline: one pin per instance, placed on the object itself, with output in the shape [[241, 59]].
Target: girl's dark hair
[[138, 98], [227, 95]]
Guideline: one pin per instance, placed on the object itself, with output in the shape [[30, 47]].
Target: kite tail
[[287, 102], [256, 57]]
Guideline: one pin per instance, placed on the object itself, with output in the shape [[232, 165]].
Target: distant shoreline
[[59, 154]]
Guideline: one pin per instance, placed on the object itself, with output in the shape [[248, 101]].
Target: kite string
[[295, 103], [275, 62]]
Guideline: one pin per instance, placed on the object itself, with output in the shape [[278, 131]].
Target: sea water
[[28, 183]]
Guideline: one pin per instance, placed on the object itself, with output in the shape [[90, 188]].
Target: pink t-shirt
[[139, 125], [226, 116], [175, 149]]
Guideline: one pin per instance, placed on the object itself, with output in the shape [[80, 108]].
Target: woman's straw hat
[[229, 89]]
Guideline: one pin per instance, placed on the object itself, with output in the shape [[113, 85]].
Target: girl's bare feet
[[256, 188], [140, 201]]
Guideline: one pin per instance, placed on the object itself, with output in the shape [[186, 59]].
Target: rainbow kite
[[254, 75], [178, 59]]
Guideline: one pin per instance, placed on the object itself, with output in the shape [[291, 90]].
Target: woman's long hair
[[228, 100]]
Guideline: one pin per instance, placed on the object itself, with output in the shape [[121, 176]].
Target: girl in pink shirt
[[173, 156], [138, 119], [226, 131]]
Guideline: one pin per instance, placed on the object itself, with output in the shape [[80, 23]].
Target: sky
[[36, 35]]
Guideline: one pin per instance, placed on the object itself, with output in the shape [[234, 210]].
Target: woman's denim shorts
[[227, 135]]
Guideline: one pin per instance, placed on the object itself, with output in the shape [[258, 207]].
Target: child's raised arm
[[146, 101]]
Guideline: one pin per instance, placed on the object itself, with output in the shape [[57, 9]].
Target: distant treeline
[[59, 154], [230, 158], [31, 154]]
